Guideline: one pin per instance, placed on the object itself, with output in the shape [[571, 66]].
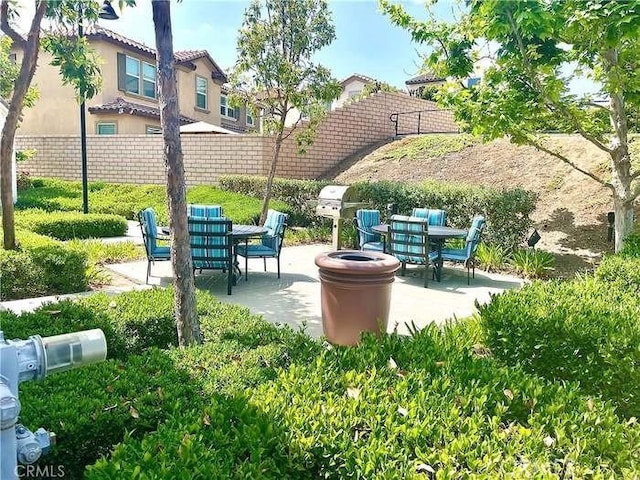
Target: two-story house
[[127, 102]]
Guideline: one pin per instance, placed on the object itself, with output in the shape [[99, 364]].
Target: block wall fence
[[138, 158]]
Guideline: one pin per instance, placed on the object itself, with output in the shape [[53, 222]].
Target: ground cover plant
[[128, 199], [257, 401], [584, 330], [70, 225], [41, 266]]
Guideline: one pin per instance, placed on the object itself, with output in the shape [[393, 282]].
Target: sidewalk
[[294, 299]]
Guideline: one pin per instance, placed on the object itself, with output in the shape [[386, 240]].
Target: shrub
[[19, 276], [507, 212], [127, 200], [571, 331], [99, 252], [532, 263], [631, 246], [299, 195], [51, 268], [621, 270], [491, 257], [391, 408], [63, 317], [97, 406], [68, 225]]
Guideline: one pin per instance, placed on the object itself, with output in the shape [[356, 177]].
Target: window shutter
[[122, 72], [236, 113]]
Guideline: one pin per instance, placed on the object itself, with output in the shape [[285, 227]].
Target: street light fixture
[[106, 13]]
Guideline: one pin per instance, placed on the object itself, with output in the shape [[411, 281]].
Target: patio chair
[[150, 237], [270, 243], [212, 245], [409, 243], [367, 239], [194, 210], [467, 254], [434, 216]]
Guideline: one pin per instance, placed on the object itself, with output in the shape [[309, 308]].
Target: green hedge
[[584, 330], [42, 266], [299, 195], [507, 212], [631, 246], [70, 225], [127, 200], [95, 407], [257, 401], [619, 270], [425, 407]]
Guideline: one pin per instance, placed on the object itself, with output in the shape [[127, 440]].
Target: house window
[[105, 128], [139, 77], [132, 77], [13, 58], [152, 130], [201, 92], [225, 109], [249, 118], [148, 80]]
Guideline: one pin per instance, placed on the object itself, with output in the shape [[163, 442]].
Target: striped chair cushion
[[366, 220], [434, 216], [274, 224], [194, 210], [410, 248], [150, 227], [210, 251]]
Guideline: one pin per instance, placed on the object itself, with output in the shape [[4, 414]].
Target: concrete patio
[[294, 299]]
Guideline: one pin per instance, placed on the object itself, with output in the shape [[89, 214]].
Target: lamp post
[[106, 13]]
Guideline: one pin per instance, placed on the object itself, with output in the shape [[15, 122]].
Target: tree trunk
[[184, 285], [620, 168], [28, 67], [270, 177]]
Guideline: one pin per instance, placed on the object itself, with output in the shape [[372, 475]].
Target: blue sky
[[366, 43]]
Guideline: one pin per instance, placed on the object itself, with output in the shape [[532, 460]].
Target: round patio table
[[437, 233], [239, 233]]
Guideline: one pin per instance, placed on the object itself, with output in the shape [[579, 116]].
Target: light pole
[[106, 13]]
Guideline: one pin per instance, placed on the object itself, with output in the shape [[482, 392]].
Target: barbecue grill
[[337, 202]]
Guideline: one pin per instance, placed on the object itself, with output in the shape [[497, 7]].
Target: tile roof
[[122, 106], [357, 76], [424, 78], [183, 57]]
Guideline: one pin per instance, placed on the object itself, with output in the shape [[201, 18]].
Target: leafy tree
[[78, 67], [276, 44], [185, 290], [535, 43]]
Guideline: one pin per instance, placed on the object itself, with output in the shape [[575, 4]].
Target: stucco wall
[[138, 158]]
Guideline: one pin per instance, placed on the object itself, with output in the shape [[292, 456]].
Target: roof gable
[[183, 58], [424, 78]]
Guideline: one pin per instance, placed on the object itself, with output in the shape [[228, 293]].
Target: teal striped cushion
[[366, 220], [434, 216], [406, 247], [274, 224], [150, 227], [210, 251], [194, 210]]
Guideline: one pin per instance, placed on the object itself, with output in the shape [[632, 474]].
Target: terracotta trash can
[[355, 291]]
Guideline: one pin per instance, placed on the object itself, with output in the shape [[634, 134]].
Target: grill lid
[[337, 193]]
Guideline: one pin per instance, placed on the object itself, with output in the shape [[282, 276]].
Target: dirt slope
[[571, 211]]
